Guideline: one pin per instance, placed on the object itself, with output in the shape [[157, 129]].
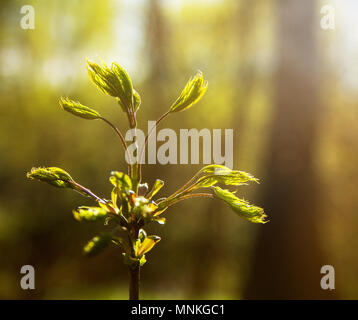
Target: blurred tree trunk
[[246, 73], [206, 252], [157, 45], [209, 241], [288, 258], [157, 58]]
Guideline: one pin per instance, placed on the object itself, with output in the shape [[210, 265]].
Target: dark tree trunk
[[288, 256]]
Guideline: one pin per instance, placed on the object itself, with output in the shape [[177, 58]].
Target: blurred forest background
[[287, 87]]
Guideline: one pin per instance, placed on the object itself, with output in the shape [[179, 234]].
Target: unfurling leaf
[[109, 206], [113, 81], [142, 260], [160, 220], [158, 184], [221, 174], [52, 175], [147, 245], [144, 208], [97, 244], [121, 181], [136, 100], [193, 91], [114, 197], [241, 207], [84, 213], [78, 109]]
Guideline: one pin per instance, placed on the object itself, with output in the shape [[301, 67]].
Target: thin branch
[[146, 142], [186, 186], [125, 147], [89, 192], [133, 125], [190, 196]]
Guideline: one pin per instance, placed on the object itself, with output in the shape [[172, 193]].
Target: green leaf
[[113, 81], [241, 207], [78, 109], [158, 184], [215, 169], [104, 79], [193, 91], [147, 245], [126, 94], [114, 196], [52, 175], [144, 208], [136, 100], [221, 174], [90, 214], [97, 244], [142, 260], [159, 220], [123, 107], [121, 181]]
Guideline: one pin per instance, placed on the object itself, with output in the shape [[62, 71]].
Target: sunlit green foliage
[[78, 109], [191, 94], [84, 213], [97, 244], [113, 81], [220, 174], [136, 100], [240, 206], [158, 184], [131, 207], [52, 175]]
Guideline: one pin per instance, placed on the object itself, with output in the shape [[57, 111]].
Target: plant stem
[[134, 270], [134, 273], [163, 116], [119, 133], [132, 119], [189, 196], [89, 192], [185, 187]]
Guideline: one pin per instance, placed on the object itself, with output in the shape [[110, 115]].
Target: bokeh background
[[287, 87]]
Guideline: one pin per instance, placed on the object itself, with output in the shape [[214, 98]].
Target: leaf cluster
[[131, 205]]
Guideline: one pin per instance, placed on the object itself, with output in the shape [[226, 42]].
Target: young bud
[[221, 174], [78, 109], [193, 91], [240, 206], [97, 244], [147, 245], [90, 214], [121, 181], [52, 175], [113, 81], [158, 184]]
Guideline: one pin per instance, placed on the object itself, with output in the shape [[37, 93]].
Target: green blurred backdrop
[[286, 86]]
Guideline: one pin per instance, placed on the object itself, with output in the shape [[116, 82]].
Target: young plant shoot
[[132, 205]]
